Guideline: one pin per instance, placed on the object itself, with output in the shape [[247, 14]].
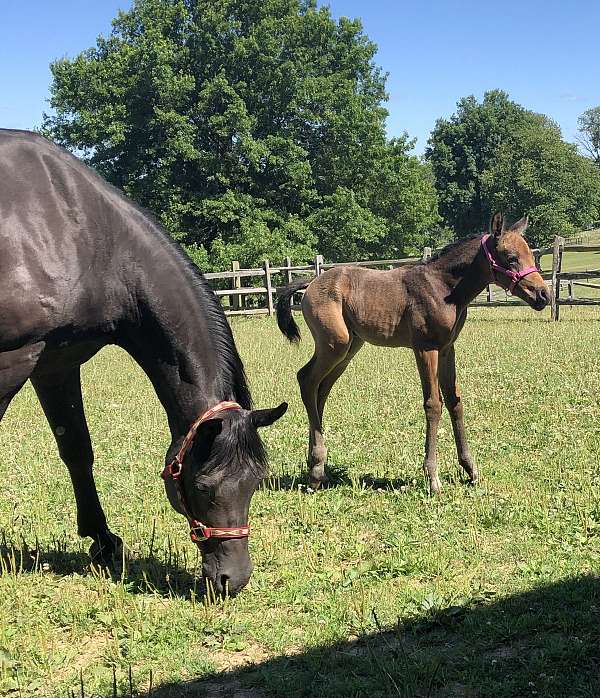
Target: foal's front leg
[[60, 397], [454, 404], [427, 363]]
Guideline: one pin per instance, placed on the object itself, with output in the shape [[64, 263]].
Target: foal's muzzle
[[542, 298]]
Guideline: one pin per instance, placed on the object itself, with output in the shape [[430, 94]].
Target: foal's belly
[[383, 330]]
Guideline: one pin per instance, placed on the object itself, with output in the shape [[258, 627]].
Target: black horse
[[82, 267]]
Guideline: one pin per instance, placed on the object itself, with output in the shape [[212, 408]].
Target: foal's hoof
[[317, 479], [321, 483], [435, 488], [107, 550]]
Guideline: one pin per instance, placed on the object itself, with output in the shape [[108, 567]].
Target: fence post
[[267, 268], [234, 301], [318, 264], [287, 274], [426, 254], [557, 255]]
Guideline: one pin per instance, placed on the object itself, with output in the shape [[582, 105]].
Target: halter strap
[[514, 276], [198, 531]]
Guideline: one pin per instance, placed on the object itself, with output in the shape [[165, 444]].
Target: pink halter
[[514, 276]]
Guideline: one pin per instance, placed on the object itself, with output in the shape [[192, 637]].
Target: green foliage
[[244, 125], [536, 171], [589, 133]]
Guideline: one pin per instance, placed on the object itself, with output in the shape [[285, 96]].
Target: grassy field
[[369, 588]]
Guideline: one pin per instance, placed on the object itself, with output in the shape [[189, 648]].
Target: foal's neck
[[181, 338], [465, 271]]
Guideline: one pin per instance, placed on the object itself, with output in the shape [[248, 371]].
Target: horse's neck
[[464, 270], [173, 338]]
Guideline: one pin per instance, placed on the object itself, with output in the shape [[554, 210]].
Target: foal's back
[[385, 308]]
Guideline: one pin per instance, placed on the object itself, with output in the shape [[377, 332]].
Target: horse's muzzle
[[228, 569]]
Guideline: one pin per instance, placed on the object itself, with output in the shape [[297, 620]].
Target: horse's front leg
[[427, 363], [454, 404], [60, 397]]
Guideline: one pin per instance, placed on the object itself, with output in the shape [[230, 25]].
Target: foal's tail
[[285, 321]]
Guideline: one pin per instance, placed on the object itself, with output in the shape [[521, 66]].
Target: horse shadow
[[337, 477], [542, 642], [167, 576]]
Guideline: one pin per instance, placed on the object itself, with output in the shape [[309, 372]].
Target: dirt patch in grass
[[252, 654]]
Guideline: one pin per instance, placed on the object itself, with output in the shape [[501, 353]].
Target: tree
[[589, 133], [537, 173], [244, 125], [460, 150]]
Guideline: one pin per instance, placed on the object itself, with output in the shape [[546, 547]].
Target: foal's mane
[[450, 247]]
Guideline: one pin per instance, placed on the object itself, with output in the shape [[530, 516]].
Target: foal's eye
[[512, 260]]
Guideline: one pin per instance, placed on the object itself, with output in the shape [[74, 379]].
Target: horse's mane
[[232, 372]]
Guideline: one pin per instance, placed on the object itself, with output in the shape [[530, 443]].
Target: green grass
[[578, 261], [369, 588]]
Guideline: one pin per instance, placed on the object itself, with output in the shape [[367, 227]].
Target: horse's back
[[51, 210]]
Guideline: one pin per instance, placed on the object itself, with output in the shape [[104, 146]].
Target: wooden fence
[[240, 282]]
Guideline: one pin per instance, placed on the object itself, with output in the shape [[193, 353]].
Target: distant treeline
[[256, 128]]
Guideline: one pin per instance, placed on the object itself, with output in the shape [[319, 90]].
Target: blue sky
[[543, 53]]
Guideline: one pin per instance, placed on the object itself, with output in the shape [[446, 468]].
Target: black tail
[[285, 321]]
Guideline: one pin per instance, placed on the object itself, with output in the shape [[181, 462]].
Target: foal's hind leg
[[310, 378], [328, 382], [454, 404], [60, 397], [427, 363]]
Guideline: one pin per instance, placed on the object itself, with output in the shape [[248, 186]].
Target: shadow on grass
[[149, 574], [337, 477], [544, 642]]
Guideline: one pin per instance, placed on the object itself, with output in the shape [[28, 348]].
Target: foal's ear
[[497, 224], [264, 418], [520, 226]]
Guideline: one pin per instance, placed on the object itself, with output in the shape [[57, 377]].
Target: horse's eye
[[513, 260]]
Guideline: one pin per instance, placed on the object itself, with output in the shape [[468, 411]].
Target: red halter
[[514, 276], [174, 469]]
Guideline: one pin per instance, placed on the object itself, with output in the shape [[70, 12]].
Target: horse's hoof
[[107, 550]]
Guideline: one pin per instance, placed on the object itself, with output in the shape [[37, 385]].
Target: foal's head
[[510, 251], [220, 474]]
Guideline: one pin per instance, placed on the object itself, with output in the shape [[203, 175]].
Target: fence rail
[[241, 291]]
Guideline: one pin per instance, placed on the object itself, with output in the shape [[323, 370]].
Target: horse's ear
[[520, 226], [497, 224], [264, 418]]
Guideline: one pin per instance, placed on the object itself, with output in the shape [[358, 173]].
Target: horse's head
[[219, 474], [513, 264]]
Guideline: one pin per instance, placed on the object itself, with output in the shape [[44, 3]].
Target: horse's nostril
[[545, 295], [224, 585]]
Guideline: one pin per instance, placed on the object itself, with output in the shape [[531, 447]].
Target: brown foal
[[423, 307]]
